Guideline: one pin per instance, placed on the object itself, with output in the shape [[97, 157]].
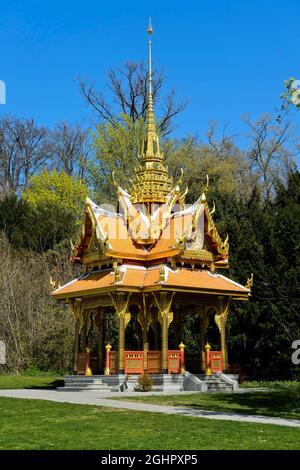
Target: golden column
[[207, 360], [144, 319], [145, 347], [77, 311], [99, 327], [120, 302], [76, 345], [203, 327], [177, 324], [107, 360], [220, 320], [156, 332], [182, 362], [163, 301], [83, 330]]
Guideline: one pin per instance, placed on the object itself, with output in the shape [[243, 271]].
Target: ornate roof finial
[[152, 182], [151, 128], [150, 29], [150, 32]]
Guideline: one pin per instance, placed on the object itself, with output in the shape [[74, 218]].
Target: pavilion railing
[[215, 360], [134, 362], [174, 362], [113, 362], [154, 362]]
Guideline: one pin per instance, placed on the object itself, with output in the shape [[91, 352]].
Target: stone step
[[83, 389], [161, 382], [218, 387], [77, 383], [217, 384], [104, 383], [84, 382]]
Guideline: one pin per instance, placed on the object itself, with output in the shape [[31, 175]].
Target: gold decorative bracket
[[120, 301], [163, 302]]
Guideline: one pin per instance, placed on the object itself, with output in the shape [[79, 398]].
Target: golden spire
[[152, 182], [151, 130], [150, 32], [151, 142]]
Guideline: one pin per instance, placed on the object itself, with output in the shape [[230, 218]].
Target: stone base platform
[[168, 383]]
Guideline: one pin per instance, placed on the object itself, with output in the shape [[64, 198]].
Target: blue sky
[[226, 57]]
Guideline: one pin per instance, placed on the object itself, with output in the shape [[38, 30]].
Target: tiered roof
[[142, 279], [155, 241]]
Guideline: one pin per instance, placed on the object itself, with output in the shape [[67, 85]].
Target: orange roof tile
[[139, 278], [202, 279], [89, 282], [126, 246]]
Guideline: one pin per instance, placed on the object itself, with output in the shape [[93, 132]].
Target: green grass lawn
[[283, 402], [27, 381], [36, 424]]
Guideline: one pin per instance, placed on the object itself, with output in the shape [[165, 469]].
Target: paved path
[[104, 399]]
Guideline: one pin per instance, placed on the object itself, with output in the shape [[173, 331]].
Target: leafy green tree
[[264, 240], [287, 223], [56, 200], [228, 173], [116, 145], [252, 330]]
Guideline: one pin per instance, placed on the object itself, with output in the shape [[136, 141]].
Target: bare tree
[[222, 146], [130, 94], [37, 330], [273, 148], [229, 158], [70, 148], [23, 150]]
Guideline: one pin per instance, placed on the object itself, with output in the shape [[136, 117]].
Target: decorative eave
[[194, 291], [159, 277]]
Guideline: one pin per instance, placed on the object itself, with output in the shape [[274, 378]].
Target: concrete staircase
[[168, 383], [161, 383], [80, 383], [220, 382]]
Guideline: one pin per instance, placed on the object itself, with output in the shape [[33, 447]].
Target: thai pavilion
[[155, 260]]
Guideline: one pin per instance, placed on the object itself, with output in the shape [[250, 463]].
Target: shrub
[[144, 383]]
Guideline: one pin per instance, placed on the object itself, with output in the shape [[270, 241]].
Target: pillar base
[[121, 371], [164, 371]]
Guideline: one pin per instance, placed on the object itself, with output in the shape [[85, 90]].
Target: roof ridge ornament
[[205, 190], [249, 282]]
